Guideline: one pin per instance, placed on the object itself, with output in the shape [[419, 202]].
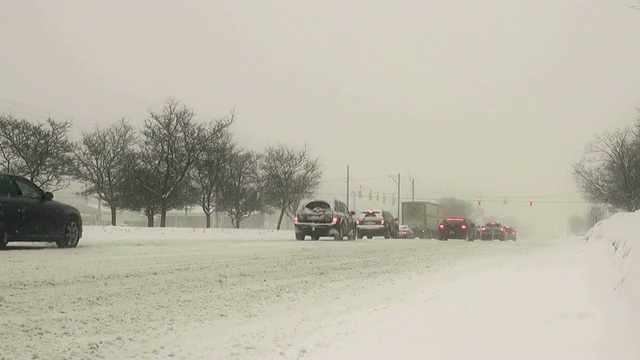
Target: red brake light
[[382, 222], [358, 222], [501, 229], [441, 226], [493, 223], [513, 233], [463, 227], [335, 219], [296, 218], [484, 229], [423, 230]]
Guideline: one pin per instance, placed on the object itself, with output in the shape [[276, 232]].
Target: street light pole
[[348, 194], [397, 183]]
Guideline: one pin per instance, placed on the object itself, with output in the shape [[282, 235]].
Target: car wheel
[[340, 234], [70, 236], [4, 239], [299, 236], [469, 238], [388, 234]]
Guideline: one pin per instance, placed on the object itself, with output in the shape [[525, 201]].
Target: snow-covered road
[[152, 294]]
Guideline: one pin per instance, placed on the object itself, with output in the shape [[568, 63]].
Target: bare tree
[[101, 162], [41, 152], [609, 171], [242, 188], [137, 193], [171, 143], [289, 176], [634, 6], [207, 172]]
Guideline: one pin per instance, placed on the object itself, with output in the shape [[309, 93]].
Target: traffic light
[[530, 201], [370, 194], [479, 201]]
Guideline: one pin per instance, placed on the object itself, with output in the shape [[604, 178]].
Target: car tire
[[388, 233], [71, 235], [4, 239], [300, 236], [340, 234]]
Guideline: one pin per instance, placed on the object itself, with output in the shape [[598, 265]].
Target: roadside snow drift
[[118, 233]]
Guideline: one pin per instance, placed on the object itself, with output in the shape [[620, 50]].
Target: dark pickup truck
[[317, 218]]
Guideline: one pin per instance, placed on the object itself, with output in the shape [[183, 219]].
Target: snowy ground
[[220, 294]]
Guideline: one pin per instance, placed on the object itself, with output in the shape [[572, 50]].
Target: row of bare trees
[[171, 162], [609, 171]]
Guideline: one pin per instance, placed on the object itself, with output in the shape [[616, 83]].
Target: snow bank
[[614, 263], [119, 233], [617, 237]]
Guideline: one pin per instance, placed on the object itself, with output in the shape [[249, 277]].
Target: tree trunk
[[280, 218], [163, 217], [150, 220], [207, 216], [113, 215], [238, 222]]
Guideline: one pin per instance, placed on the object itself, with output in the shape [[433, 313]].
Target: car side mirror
[[48, 196], [352, 213], [396, 219]]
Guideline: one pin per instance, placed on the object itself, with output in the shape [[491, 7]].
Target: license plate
[[370, 223], [452, 232], [315, 217]]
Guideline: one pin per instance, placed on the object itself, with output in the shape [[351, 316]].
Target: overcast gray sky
[[471, 98]]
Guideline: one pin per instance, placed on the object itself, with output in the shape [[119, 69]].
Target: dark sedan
[[27, 213], [457, 228]]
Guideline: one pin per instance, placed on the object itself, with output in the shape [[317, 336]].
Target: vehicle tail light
[[358, 222], [335, 219], [513, 233], [403, 232], [442, 226], [463, 227], [501, 229], [484, 229], [382, 222], [296, 219], [423, 230]]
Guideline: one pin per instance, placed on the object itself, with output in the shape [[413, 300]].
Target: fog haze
[[416, 88]]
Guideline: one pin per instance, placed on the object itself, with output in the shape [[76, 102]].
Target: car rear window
[[318, 205], [366, 214]]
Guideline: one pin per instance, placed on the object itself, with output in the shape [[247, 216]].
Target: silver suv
[[372, 223]]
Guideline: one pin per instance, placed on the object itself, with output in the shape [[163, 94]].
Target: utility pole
[[413, 188], [348, 194], [399, 220], [397, 183]]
